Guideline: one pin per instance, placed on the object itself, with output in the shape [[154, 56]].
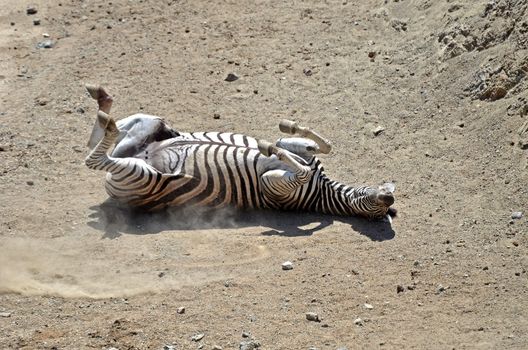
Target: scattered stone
[[358, 322], [308, 72], [169, 347], [45, 35], [398, 24], [217, 347], [246, 334], [30, 183], [46, 44], [231, 77], [161, 274], [461, 124], [197, 337], [287, 265], [312, 316], [378, 130], [516, 215], [368, 306], [342, 348], [80, 110], [31, 10], [515, 243], [216, 116], [5, 314], [372, 55], [36, 22], [249, 345], [180, 310], [440, 289], [399, 288]]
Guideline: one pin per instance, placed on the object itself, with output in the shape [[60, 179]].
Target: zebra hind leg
[[104, 103], [292, 128], [280, 183]]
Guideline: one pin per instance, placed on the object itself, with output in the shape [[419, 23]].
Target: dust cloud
[[103, 269]]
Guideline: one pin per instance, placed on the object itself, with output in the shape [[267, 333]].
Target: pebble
[[216, 116], [217, 347], [46, 44], [36, 22], [440, 289], [399, 288], [378, 130], [231, 77], [368, 306], [169, 347], [358, 322], [312, 316], [517, 215], [249, 345], [180, 310], [246, 334], [308, 72], [30, 183], [31, 10], [197, 337], [5, 314], [287, 265]]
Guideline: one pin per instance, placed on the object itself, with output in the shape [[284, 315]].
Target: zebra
[[153, 166]]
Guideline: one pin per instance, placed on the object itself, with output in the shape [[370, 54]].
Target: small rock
[[246, 334], [5, 314], [312, 316], [287, 265], [161, 274], [308, 72], [368, 306], [399, 288], [36, 22], [372, 55], [378, 130], [197, 337], [46, 44], [80, 110], [440, 289], [358, 322], [516, 215], [169, 347], [216, 116], [31, 10], [217, 347], [180, 310], [249, 345], [30, 183], [231, 77]]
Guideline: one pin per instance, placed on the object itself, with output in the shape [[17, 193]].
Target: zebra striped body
[[219, 169]]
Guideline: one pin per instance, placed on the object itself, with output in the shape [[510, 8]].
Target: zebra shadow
[[115, 220]]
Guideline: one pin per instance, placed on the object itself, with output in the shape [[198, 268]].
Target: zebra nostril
[[387, 199]]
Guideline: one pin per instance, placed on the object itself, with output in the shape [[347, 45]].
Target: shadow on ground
[[114, 220]]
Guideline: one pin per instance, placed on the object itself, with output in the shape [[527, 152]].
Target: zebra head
[[384, 199]]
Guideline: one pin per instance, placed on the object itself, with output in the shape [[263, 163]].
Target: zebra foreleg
[[104, 103], [292, 128], [280, 183], [98, 158]]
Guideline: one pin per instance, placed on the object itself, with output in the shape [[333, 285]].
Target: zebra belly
[[205, 175]]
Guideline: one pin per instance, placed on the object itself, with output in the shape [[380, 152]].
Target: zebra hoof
[[93, 90], [267, 148], [288, 126]]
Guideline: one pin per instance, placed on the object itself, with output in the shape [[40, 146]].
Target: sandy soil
[[445, 79]]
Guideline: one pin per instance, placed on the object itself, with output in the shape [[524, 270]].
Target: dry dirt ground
[[447, 80]]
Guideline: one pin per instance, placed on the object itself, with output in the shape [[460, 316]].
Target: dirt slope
[[447, 82]]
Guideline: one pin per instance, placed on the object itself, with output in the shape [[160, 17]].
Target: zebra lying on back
[[153, 166]]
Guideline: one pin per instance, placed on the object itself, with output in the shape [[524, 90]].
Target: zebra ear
[[387, 187]]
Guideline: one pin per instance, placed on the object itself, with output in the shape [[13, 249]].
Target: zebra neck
[[340, 199]]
